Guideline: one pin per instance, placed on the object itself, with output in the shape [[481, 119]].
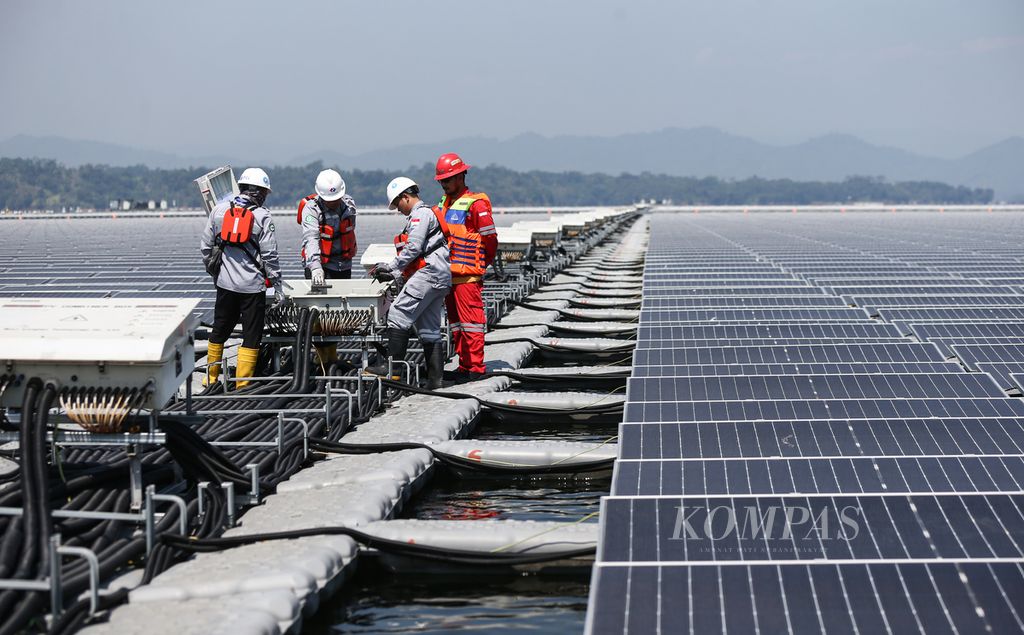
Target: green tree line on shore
[[45, 184]]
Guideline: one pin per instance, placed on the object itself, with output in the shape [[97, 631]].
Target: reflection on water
[[402, 604], [451, 498], [590, 431]]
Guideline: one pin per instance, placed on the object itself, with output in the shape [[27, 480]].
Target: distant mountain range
[[675, 151]]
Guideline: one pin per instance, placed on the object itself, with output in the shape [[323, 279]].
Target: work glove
[[318, 278], [381, 272], [280, 299]]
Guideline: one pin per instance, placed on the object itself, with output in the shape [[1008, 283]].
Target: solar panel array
[[821, 432], [136, 257], [142, 257], [111, 258]]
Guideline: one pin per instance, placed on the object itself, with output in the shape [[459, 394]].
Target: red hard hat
[[448, 165]]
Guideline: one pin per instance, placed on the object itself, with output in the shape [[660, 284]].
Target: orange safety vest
[[347, 229], [466, 248], [402, 239]]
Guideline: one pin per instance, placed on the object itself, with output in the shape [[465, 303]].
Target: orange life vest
[[465, 247], [347, 231], [402, 239], [236, 228]]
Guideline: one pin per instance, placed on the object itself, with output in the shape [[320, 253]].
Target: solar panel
[[946, 344], [960, 596], [846, 368], [740, 410], [767, 354], [735, 291], [907, 278], [845, 527], [945, 314], [755, 315], [678, 283], [961, 329], [824, 437], [971, 354], [967, 300], [1003, 373], [820, 475], [780, 341], [657, 297], [46, 292], [918, 289], [800, 387], [655, 336]]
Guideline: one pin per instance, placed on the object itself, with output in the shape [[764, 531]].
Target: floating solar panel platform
[[827, 441]]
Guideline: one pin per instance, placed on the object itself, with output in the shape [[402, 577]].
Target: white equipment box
[[342, 295], [120, 343], [377, 252], [546, 234], [216, 185], [572, 225], [515, 244]]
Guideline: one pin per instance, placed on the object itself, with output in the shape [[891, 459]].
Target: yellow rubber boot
[[214, 353], [246, 364], [326, 355]]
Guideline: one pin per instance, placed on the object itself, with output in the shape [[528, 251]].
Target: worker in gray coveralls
[[424, 262]]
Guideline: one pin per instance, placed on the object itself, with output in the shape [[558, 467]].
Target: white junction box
[[342, 295], [98, 343]]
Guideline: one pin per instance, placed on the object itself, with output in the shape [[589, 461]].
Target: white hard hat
[[329, 185], [396, 187], [255, 176]]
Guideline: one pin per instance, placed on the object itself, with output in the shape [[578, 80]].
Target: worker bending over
[[473, 244], [423, 261], [328, 220], [242, 230]]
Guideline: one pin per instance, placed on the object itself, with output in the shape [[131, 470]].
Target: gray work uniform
[[238, 272], [421, 301], [311, 221]]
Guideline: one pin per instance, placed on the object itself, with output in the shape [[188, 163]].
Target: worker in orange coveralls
[[472, 245]]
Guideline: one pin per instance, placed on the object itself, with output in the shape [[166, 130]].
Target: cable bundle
[[102, 409]]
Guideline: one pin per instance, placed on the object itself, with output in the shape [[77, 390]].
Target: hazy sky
[[278, 79]]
